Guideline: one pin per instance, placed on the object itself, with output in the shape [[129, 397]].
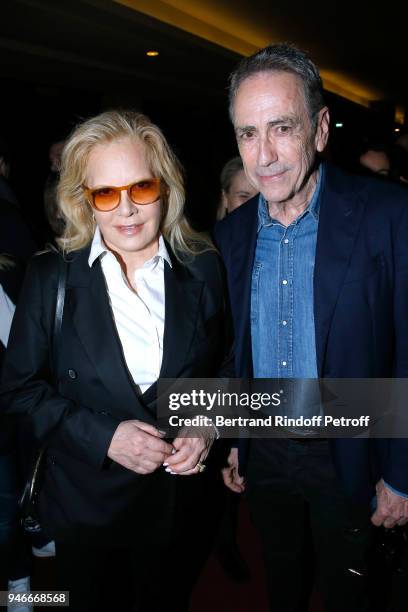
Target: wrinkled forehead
[[270, 92]]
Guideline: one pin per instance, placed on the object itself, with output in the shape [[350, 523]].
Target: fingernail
[[165, 464], [173, 451], [163, 433]]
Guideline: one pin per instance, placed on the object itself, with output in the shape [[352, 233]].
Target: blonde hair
[[76, 210], [228, 172]]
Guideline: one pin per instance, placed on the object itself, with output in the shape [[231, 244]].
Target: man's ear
[[322, 129]]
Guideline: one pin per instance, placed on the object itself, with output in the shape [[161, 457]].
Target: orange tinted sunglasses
[[106, 199]]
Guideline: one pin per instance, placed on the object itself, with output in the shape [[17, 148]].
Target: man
[[375, 159], [6, 192], [317, 269], [53, 214], [15, 236], [235, 187]]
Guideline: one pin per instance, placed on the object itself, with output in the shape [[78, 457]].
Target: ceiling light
[[339, 125], [152, 53], [397, 130]]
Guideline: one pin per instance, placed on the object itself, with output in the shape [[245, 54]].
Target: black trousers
[[302, 516], [158, 567], [126, 579]]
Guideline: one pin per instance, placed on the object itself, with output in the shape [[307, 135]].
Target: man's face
[[275, 135]]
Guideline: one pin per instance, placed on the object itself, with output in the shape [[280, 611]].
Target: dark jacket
[[11, 278], [360, 304], [91, 392]]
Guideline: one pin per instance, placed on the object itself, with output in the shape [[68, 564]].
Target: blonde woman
[[144, 298], [235, 187]]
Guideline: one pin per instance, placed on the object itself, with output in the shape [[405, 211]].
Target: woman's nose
[[126, 206]]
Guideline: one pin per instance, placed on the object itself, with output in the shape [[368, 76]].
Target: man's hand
[[190, 451], [230, 474], [392, 509], [138, 447]]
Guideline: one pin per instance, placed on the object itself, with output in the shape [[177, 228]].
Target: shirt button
[[286, 241], [284, 322], [284, 282], [72, 374], [284, 363]]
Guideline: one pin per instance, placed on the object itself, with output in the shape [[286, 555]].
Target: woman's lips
[[130, 230]]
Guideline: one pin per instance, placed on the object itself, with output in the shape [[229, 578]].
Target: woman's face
[[131, 230]]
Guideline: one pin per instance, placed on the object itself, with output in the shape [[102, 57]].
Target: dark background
[[64, 60]]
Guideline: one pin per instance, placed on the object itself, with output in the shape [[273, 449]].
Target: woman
[[235, 187], [144, 298]]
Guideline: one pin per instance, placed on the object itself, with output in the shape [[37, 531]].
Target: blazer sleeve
[[29, 388], [396, 466], [227, 367]]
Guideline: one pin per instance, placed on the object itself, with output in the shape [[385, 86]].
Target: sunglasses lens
[[106, 198], [145, 192]]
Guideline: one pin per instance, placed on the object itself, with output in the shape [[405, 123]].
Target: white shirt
[[139, 317], [7, 309]]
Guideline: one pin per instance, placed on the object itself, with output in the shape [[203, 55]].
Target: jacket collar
[[88, 302], [341, 206]]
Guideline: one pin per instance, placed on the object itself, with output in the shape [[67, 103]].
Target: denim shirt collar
[[264, 218]]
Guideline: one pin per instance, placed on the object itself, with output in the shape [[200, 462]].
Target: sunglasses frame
[[89, 193]]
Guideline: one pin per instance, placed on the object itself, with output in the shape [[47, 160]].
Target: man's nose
[[267, 151]]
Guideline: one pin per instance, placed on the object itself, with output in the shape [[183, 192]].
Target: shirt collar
[[99, 249], [313, 207]]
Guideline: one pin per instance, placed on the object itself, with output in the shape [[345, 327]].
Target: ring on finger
[[200, 467]]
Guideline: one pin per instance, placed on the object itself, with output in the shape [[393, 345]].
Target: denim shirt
[[282, 317]]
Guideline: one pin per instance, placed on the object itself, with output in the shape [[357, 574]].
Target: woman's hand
[[190, 451], [139, 447]]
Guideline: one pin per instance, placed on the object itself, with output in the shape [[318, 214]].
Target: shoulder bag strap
[[59, 307]]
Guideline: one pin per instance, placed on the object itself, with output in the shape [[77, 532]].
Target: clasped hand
[[140, 447]]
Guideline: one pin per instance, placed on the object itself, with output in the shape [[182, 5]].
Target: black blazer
[[10, 279], [360, 304], [91, 392]]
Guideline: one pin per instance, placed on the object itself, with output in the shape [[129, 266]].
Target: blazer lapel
[[183, 296], [92, 317], [341, 211], [88, 302], [243, 245], [182, 300]]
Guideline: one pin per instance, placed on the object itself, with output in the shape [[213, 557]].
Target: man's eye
[[283, 129], [247, 135]]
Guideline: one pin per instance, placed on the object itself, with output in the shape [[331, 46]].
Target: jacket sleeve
[[395, 471], [29, 388]]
